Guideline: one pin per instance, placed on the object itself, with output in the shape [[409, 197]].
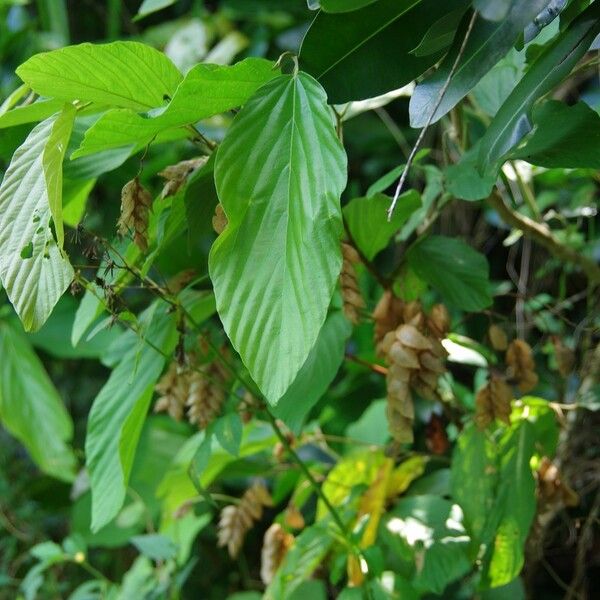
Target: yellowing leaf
[[403, 475]]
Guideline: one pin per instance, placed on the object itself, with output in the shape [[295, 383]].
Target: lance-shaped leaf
[[127, 74], [511, 122], [30, 407], [206, 90], [33, 269], [279, 175], [488, 42], [340, 50]]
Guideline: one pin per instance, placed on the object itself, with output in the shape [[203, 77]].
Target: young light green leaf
[[125, 74], [118, 413], [457, 271], [383, 33], [488, 42], [366, 219], [316, 373], [279, 175], [563, 137], [33, 269], [31, 408], [54, 154], [42, 109], [511, 122], [206, 90]]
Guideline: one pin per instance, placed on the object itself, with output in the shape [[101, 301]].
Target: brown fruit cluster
[[219, 220], [136, 202], [198, 391], [176, 175], [498, 338], [351, 296], [415, 355], [237, 519], [520, 366], [565, 356], [551, 489], [276, 543], [493, 402]]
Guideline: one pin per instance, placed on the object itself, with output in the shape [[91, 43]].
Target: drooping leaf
[[126, 74], [279, 175], [457, 271], [488, 42], [118, 413], [367, 221], [206, 90], [54, 154], [340, 50], [33, 270], [31, 408], [563, 136], [511, 122], [316, 373], [426, 535]]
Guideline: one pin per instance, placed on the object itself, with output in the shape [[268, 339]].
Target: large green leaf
[[366, 219], [30, 407], [206, 90], [279, 175], [563, 136], [118, 413], [126, 74], [366, 52], [457, 271], [54, 153], [488, 43], [338, 6], [33, 269], [511, 122], [316, 373], [426, 536]]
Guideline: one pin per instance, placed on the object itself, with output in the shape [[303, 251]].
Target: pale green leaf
[[228, 431], [54, 154], [33, 270], [367, 222], [206, 90], [151, 6], [126, 74], [30, 407], [29, 113], [279, 174]]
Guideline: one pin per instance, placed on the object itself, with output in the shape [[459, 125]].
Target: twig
[[373, 367], [440, 97], [540, 233]]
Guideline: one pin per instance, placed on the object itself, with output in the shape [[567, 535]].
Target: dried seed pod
[[173, 389], [387, 316], [411, 337], [293, 517], [565, 357], [351, 295], [176, 175], [182, 279], [552, 490], [438, 321], [493, 402], [136, 202], [520, 365], [219, 220], [237, 519], [247, 406], [498, 338], [206, 394], [276, 543]]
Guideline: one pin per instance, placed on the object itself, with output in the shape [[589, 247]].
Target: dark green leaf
[[275, 266], [228, 431], [341, 6], [493, 10], [341, 50], [441, 33], [459, 273]]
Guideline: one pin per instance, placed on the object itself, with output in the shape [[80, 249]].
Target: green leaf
[[366, 219], [426, 535], [511, 122], [31, 408], [371, 427], [228, 431], [464, 181], [151, 6], [54, 154], [118, 413], [33, 270], [29, 113], [493, 10], [316, 373], [126, 74], [155, 546], [457, 271], [381, 34], [206, 90], [341, 6], [275, 266], [488, 43], [441, 33], [563, 136]]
